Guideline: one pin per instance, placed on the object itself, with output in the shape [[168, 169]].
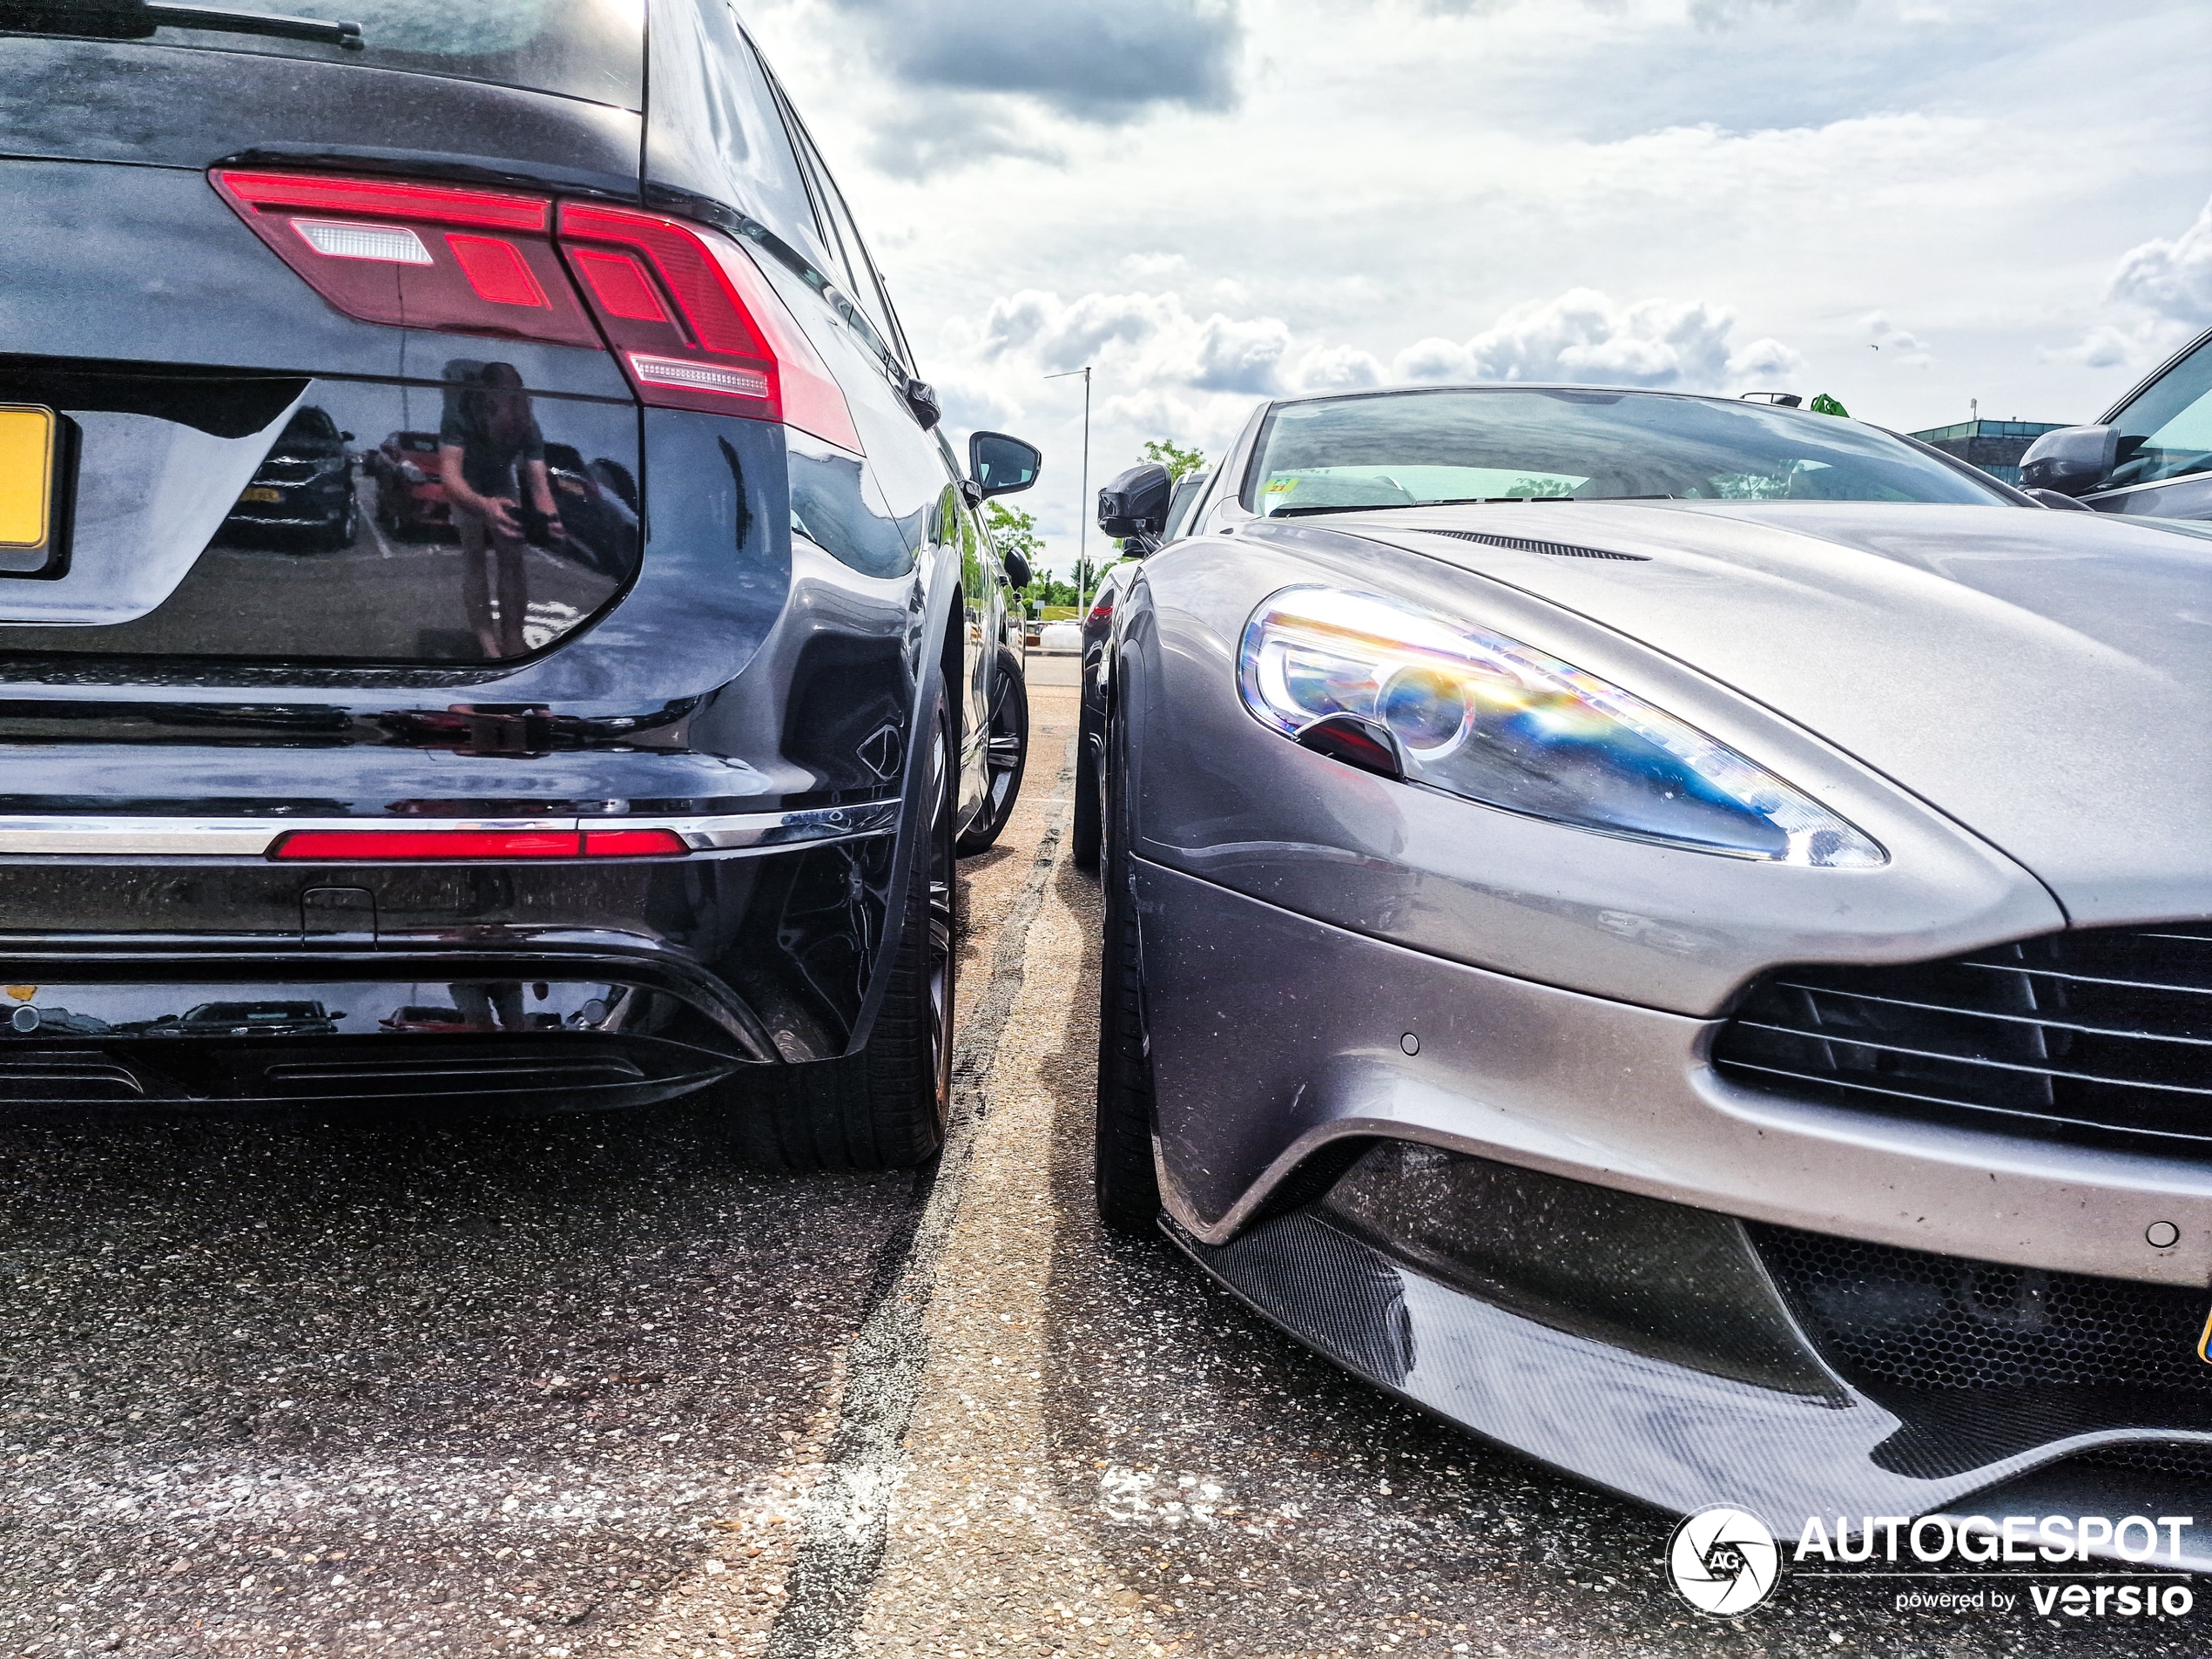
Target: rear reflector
[[631, 843], [350, 846], [698, 324], [417, 255], [360, 846]]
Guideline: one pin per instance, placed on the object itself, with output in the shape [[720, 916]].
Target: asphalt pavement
[[591, 1386]]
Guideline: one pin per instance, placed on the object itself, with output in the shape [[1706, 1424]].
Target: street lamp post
[[1082, 505]]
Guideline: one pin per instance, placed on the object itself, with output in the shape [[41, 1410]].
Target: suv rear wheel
[[886, 1107]]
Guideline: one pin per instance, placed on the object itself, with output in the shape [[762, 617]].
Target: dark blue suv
[[644, 741]]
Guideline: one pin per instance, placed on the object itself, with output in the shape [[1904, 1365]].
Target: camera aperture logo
[[1723, 1562]]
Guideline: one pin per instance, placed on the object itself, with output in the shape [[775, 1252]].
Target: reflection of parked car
[[2150, 456], [249, 1020], [763, 711], [1674, 933], [422, 1016], [410, 499], [598, 503], [305, 487], [28, 1019]]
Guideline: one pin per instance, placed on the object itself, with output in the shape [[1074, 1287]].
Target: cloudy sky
[[1907, 204]]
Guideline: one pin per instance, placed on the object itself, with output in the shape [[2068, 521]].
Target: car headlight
[[1487, 717]]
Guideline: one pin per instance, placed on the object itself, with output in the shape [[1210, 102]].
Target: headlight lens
[[1482, 716]]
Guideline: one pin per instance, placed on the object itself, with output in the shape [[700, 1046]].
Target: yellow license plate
[[26, 473], [258, 493]]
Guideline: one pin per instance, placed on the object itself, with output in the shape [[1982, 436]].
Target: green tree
[[1172, 456], [1014, 531]]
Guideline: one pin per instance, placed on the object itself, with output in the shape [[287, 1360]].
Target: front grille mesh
[[1888, 1318], [2103, 1036]]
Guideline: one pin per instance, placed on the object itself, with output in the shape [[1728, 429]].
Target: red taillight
[[696, 323], [1101, 609], [418, 255], [382, 846]]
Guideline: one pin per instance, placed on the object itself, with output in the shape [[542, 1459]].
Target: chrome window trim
[[153, 836]]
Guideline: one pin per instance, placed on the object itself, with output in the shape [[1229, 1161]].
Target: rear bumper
[[139, 974]]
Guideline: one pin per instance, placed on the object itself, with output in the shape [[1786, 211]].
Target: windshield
[[585, 48], [1408, 449], [2168, 430]]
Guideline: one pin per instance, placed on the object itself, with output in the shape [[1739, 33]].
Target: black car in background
[[1152, 482], [2150, 456], [652, 762], [302, 492]]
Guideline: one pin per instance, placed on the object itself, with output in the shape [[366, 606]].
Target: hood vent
[[1554, 550]]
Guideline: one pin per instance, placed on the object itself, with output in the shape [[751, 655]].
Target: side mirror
[[921, 401], [2073, 461], [1136, 503], [337, 1013], [1001, 465], [1017, 570]]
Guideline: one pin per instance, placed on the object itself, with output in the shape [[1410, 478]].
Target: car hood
[[2043, 678]]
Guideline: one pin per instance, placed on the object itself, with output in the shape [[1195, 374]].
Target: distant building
[[1994, 446]]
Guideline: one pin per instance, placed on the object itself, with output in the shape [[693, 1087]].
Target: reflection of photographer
[[488, 447]]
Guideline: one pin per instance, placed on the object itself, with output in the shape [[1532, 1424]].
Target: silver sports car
[[1677, 933]]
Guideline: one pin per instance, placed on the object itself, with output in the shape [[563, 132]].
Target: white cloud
[[1583, 337], [1901, 348], [2171, 278], [1757, 188], [2159, 295]]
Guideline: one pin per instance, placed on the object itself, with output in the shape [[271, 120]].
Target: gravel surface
[[590, 1388]]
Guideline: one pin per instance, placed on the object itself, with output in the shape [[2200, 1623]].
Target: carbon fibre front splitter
[[1661, 1432]]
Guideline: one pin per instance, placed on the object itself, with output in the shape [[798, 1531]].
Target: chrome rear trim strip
[[146, 836]]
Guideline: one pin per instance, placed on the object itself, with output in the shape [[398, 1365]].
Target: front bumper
[[1284, 1051], [1748, 1413], [1274, 1035]]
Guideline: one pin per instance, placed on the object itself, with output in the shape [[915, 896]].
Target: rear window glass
[[585, 48]]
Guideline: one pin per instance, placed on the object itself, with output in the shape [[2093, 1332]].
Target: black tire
[[339, 536], [1084, 830], [1007, 755], [1124, 1173], [886, 1107]]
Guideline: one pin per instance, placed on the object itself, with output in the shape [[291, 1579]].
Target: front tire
[[1006, 757], [886, 1107], [1083, 831], [1123, 1172]]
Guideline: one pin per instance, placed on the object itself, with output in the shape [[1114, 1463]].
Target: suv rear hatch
[[242, 378]]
